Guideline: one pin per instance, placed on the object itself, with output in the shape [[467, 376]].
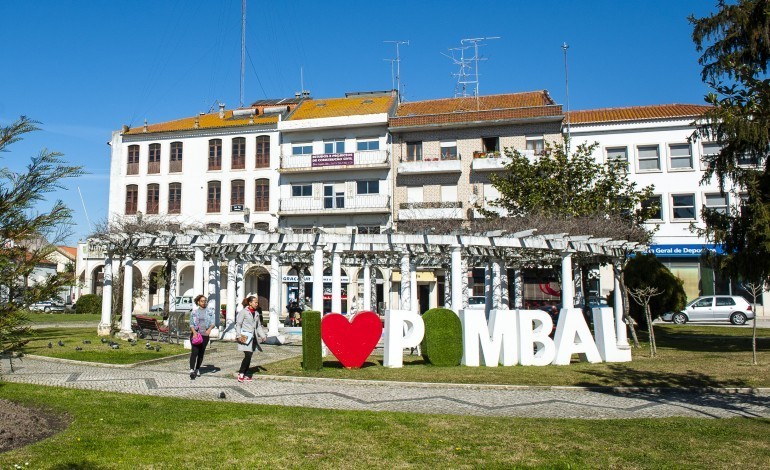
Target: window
[[368, 144], [175, 163], [680, 157], [724, 301], [716, 202], [215, 154], [239, 153], [236, 227], [262, 195], [414, 151], [153, 198], [237, 192], [334, 146], [263, 152], [133, 160], [263, 226], [649, 158], [537, 145], [302, 149], [332, 199], [153, 163], [449, 150], [414, 194], [490, 144], [747, 160], [175, 198], [683, 206], [448, 193], [617, 155], [710, 150], [214, 200], [302, 190], [132, 199], [368, 229], [653, 206], [368, 187]]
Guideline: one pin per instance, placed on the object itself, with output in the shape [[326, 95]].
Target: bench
[[149, 326]]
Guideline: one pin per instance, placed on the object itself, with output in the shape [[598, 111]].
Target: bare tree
[[756, 289], [642, 296]]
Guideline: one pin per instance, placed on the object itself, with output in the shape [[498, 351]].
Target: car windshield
[[693, 301]]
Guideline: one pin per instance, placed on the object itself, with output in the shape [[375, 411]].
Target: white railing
[[360, 202], [366, 157]]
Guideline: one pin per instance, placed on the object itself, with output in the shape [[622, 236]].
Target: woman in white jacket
[[247, 329]]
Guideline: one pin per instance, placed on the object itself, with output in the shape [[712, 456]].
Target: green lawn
[[132, 431], [688, 356], [96, 351], [38, 318]]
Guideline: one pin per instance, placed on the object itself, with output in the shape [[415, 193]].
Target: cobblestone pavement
[[170, 378]]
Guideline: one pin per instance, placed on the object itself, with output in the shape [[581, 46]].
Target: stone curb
[[104, 364]]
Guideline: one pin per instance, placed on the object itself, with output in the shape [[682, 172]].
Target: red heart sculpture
[[352, 341]]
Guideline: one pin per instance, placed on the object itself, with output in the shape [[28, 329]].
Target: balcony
[[431, 210], [430, 164], [495, 161], [363, 160], [358, 204]]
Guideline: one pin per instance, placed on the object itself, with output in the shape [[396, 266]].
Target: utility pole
[[566, 85], [243, 48], [397, 78]]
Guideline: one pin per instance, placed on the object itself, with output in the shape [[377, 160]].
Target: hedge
[[311, 340], [442, 344], [89, 303]]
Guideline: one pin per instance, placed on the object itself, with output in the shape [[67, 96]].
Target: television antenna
[[243, 49], [468, 75], [566, 86], [395, 79]]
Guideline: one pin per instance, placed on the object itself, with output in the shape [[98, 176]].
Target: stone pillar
[[240, 281], [232, 301], [301, 285], [198, 274], [621, 330], [457, 280], [128, 299], [464, 294], [413, 288], [318, 279], [504, 294], [336, 283], [105, 325], [373, 288], [173, 283], [567, 283], [447, 285], [406, 291], [497, 288], [518, 288], [367, 285], [275, 294], [213, 288]]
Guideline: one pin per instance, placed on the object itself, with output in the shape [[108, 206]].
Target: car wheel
[[679, 318], [47, 309], [738, 318]]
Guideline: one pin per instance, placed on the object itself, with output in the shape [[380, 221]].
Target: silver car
[[713, 308]]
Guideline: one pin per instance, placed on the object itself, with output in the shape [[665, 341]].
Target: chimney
[[297, 94], [221, 110], [197, 123], [145, 126], [125, 128]]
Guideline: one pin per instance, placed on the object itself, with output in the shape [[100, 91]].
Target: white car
[[47, 306], [181, 304], [477, 302], [733, 308]]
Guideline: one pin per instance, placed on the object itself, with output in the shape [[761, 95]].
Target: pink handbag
[[197, 339]]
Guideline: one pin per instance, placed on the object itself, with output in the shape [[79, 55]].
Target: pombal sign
[[514, 337]]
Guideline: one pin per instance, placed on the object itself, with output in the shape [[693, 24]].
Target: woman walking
[[202, 321], [247, 328]]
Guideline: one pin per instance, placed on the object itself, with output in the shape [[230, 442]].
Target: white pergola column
[[128, 298], [504, 294], [456, 280], [240, 281], [464, 294], [413, 287], [105, 325], [518, 288], [198, 274], [497, 292], [213, 287], [406, 291], [621, 329], [318, 279], [173, 283], [232, 275], [567, 282], [367, 286], [275, 294], [336, 283]]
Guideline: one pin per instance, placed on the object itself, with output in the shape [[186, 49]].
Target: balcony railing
[[361, 203], [132, 169], [327, 161], [491, 154], [153, 168], [432, 158], [431, 210], [430, 165], [431, 205], [175, 166]]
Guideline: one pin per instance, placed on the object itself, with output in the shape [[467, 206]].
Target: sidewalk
[[169, 378]]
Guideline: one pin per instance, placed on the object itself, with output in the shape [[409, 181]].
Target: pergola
[[404, 252]]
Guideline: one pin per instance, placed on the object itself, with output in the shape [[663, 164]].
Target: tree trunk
[[167, 287], [626, 309], [754, 336], [648, 315]]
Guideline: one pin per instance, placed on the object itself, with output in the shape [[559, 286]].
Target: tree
[[646, 270], [755, 289], [735, 47], [28, 234]]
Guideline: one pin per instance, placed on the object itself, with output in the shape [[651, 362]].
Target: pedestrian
[[247, 328], [201, 321]]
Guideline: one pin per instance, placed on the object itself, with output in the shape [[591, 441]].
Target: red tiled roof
[[486, 108], [69, 251], [205, 121], [337, 107], [637, 113]]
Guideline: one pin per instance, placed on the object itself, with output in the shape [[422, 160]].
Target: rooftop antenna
[[82, 201], [469, 76], [566, 84], [396, 80], [243, 48]]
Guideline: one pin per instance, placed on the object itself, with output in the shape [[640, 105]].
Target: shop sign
[[683, 251], [327, 279]]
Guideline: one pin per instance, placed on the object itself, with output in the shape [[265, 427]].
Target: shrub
[[443, 341], [647, 270], [89, 303], [311, 340]]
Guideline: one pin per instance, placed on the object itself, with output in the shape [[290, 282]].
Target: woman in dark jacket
[[201, 321]]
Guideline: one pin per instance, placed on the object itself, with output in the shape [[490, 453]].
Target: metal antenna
[[82, 201], [397, 60], [467, 76], [243, 48], [566, 84]]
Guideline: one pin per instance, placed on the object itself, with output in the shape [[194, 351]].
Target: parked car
[[477, 302], [47, 306], [181, 304], [732, 308]]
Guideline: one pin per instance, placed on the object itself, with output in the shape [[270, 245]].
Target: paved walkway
[[170, 378]]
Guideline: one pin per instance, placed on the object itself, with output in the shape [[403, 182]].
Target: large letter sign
[[351, 341], [497, 347], [573, 336], [606, 340], [535, 346], [395, 339]]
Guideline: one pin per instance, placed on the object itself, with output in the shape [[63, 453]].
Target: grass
[[96, 351], [688, 356], [133, 431], [40, 318]]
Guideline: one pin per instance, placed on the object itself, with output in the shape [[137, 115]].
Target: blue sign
[[683, 251]]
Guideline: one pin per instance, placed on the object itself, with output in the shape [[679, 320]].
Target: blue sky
[[83, 69]]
